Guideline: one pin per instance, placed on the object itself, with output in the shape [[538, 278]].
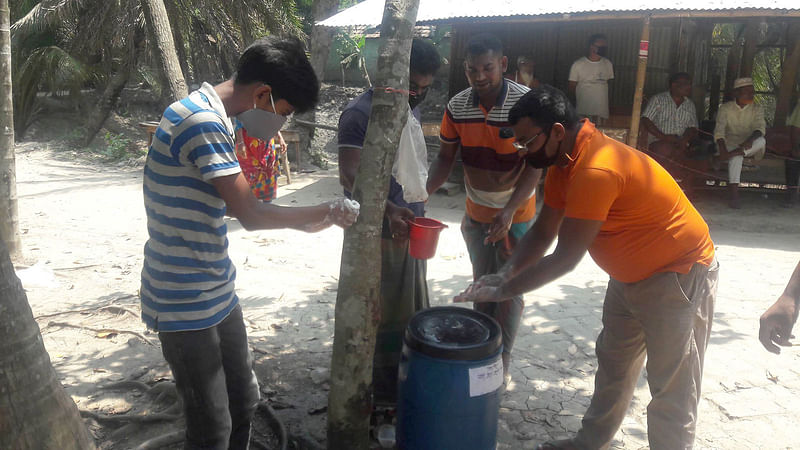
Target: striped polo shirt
[[669, 118], [187, 279], [492, 165]]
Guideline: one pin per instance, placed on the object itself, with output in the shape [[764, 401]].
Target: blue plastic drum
[[450, 379]]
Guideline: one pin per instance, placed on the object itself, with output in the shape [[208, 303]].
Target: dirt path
[[85, 226]]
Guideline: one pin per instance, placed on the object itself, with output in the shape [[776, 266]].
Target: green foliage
[[77, 135], [49, 69], [352, 50], [767, 63], [117, 147]]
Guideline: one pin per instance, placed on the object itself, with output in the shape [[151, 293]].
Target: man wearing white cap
[[739, 133]]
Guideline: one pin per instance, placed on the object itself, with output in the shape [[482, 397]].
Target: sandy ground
[[84, 227]]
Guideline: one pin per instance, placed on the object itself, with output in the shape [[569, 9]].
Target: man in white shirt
[[588, 80], [739, 133]]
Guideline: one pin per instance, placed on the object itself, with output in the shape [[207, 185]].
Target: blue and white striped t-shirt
[[187, 279]]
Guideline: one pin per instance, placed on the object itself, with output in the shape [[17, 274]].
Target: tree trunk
[[158, 23], [35, 411], [357, 302], [115, 85], [788, 75], [321, 38], [180, 44], [9, 225]]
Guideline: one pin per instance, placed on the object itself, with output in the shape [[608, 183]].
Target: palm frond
[[47, 15], [49, 69]]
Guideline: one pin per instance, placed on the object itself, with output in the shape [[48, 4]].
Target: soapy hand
[[342, 212], [486, 289]]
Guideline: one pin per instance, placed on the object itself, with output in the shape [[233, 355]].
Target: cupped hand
[[776, 324]]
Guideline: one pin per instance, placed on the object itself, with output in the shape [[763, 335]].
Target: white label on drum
[[485, 379]]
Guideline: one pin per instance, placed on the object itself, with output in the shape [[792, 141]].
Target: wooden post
[[641, 74], [697, 66], [686, 48], [734, 61], [750, 48], [788, 75], [713, 103]]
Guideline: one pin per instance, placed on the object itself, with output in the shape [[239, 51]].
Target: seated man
[[671, 121], [739, 133]]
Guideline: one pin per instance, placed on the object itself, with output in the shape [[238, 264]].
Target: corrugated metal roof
[[370, 12]]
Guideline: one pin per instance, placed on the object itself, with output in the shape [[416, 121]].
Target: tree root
[[99, 330], [113, 309], [275, 423], [162, 441], [138, 418], [126, 384]]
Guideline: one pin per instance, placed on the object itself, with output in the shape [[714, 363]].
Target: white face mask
[[262, 124]]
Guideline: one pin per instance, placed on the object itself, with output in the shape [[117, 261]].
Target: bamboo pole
[[641, 75]]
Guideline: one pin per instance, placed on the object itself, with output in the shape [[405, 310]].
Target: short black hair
[[280, 62], [425, 59], [482, 43], [596, 37], [679, 76], [546, 106]]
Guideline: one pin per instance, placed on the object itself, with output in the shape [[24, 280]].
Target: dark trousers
[[404, 291], [488, 259], [214, 376]]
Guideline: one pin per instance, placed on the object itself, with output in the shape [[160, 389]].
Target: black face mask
[[540, 160], [415, 100], [602, 51]]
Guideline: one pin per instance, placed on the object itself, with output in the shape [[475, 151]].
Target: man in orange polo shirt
[[500, 186], [627, 211]]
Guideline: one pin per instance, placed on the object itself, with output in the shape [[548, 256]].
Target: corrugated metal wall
[[556, 45]]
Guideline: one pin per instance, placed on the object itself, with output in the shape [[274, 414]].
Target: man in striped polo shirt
[[670, 119], [191, 181], [500, 186]]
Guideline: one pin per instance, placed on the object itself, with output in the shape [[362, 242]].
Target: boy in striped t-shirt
[[192, 180]]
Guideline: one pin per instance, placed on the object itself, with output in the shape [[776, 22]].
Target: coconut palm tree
[[74, 44], [35, 411], [9, 228]]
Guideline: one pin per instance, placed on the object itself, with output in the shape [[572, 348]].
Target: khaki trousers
[[666, 317]]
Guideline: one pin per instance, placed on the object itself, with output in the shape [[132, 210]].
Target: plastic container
[[423, 236], [449, 382]]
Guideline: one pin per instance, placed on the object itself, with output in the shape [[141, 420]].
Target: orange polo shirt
[[649, 224]]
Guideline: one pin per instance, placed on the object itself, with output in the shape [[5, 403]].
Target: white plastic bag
[[410, 167]]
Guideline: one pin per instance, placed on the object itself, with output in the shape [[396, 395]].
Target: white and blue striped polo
[[188, 278]]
